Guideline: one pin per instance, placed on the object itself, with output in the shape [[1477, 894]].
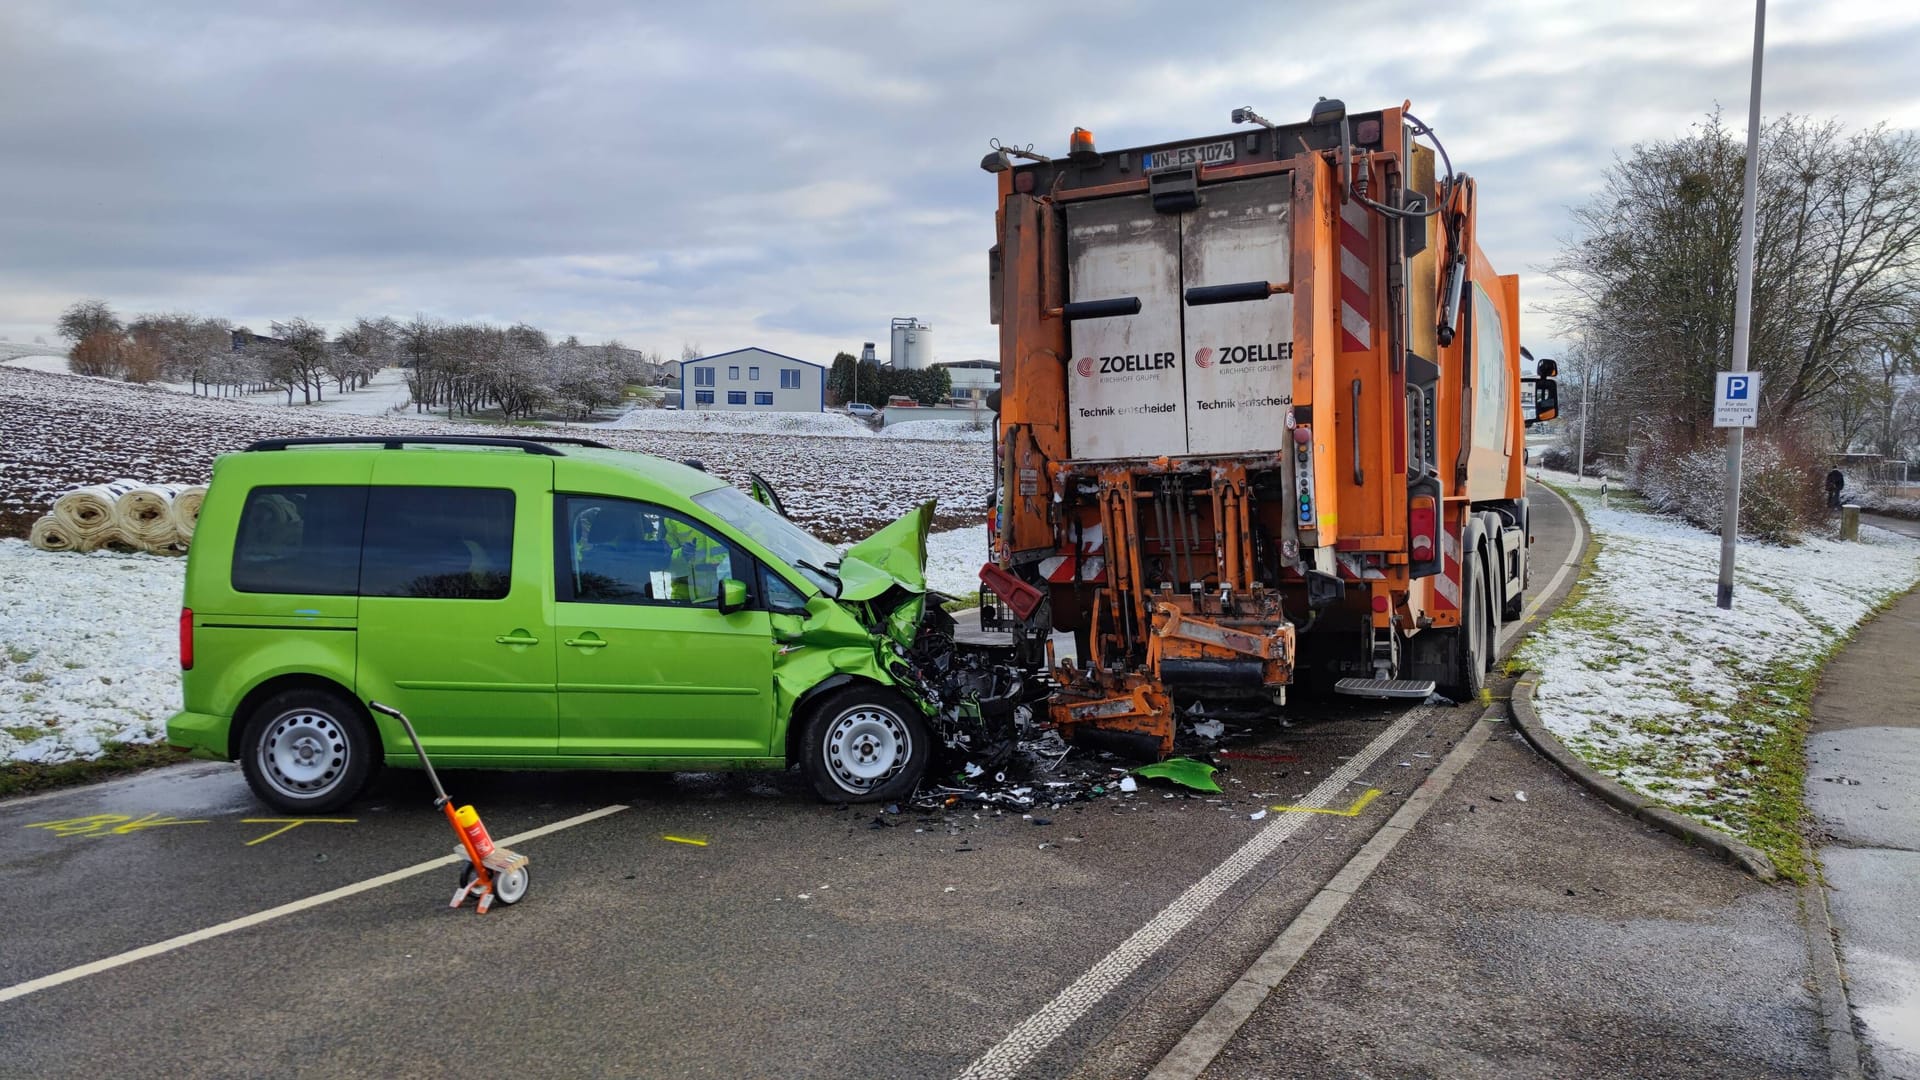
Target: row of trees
[[1652, 276], [459, 367], [849, 380]]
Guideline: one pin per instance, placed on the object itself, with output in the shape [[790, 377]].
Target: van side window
[[624, 552], [304, 540], [446, 543]]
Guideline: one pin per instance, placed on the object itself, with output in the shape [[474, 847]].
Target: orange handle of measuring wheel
[[468, 822]]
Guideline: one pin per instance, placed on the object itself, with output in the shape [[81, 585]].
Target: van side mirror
[[1539, 400], [733, 596]]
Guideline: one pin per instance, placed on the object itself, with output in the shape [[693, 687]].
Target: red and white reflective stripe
[[1356, 277], [1058, 569], [1446, 584], [1353, 569]]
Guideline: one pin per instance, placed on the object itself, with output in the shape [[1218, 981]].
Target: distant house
[[973, 381], [247, 339], [750, 380]]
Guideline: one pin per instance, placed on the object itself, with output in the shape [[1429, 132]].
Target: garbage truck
[[1260, 426]]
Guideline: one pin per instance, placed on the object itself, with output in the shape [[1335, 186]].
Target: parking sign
[[1736, 399]]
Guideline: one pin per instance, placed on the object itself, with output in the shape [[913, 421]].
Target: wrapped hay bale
[[49, 535], [87, 513], [186, 510], [144, 517]]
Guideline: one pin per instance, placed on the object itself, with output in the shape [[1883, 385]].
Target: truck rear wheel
[[1473, 640]]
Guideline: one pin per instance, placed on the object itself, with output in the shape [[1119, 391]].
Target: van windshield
[[793, 545]]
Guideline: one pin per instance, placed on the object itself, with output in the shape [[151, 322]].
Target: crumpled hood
[[896, 555]]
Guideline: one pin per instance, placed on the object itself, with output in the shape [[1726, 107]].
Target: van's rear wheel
[[307, 751], [865, 744]]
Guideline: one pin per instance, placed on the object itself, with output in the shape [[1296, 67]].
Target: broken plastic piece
[[1127, 783], [1520, 796], [1256, 815], [1209, 729], [1186, 772]]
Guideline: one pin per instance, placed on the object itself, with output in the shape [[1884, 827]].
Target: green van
[[548, 603]]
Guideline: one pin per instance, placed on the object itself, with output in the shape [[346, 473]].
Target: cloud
[[771, 174]]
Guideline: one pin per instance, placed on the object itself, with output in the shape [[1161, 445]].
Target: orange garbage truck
[[1261, 422]]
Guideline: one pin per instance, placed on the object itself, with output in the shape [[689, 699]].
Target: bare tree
[[85, 317], [1652, 271], [299, 360]]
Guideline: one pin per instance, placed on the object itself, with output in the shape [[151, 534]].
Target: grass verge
[[25, 777], [1734, 759]]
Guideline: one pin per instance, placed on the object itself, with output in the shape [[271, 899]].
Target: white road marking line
[[1053, 1020], [1512, 630], [19, 990], [1210, 1035]]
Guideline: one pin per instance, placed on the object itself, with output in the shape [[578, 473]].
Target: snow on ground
[[1646, 678], [71, 681], [644, 418], [62, 431], [54, 364], [13, 350], [954, 558], [73, 678], [953, 430]]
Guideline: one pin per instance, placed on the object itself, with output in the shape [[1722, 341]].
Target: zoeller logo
[[1121, 365], [1243, 354]]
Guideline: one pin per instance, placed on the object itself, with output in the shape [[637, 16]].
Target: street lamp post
[[1742, 313]]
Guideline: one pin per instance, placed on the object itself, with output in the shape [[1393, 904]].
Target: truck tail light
[[1423, 523], [186, 639]]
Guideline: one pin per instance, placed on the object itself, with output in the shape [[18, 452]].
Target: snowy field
[[71, 681], [1645, 677], [958, 430], [63, 431]]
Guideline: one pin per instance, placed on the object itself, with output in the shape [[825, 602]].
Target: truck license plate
[[1182, 157]]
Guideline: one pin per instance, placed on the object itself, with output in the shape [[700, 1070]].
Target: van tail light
[[186, 639], [1423, 525]]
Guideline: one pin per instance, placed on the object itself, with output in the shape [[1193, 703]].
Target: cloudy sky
[[776, 174]]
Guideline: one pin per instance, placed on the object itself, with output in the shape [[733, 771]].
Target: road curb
[[1627, 801], [1829, 978]]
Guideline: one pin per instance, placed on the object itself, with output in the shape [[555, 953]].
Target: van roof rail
[[394, 442]]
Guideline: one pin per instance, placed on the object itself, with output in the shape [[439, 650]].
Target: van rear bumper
[[203, 735]]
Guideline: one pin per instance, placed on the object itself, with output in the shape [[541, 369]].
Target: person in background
[[1836, 483]]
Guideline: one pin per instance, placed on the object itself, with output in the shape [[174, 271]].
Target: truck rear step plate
[[1384, 688]]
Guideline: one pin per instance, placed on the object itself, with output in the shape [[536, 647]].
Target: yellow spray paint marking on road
[[685, 840], [109, 824], [1351, 811], [291, 823]]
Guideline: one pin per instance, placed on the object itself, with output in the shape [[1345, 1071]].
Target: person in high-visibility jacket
[[698, 563]]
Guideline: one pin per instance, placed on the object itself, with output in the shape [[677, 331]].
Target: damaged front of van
[[867, 619]]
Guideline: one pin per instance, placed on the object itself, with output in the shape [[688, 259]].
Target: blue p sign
[[1737, 388]]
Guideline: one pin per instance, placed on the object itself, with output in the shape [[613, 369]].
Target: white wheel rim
[[304, 753], [510, 886], [866, 747]]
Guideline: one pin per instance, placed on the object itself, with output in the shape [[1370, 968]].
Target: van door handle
[[518, 637], [588, 642]]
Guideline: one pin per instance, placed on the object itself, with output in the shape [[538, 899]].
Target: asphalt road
[[791, 938]]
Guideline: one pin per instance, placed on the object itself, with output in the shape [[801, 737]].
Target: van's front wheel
[[307, 751], [865, 744]]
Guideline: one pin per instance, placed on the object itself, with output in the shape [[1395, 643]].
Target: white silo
[[912, 344]]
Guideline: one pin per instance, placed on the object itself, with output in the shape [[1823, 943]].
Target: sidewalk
[[1863, 789]]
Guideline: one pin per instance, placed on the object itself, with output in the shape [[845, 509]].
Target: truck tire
[[1472, 652]]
